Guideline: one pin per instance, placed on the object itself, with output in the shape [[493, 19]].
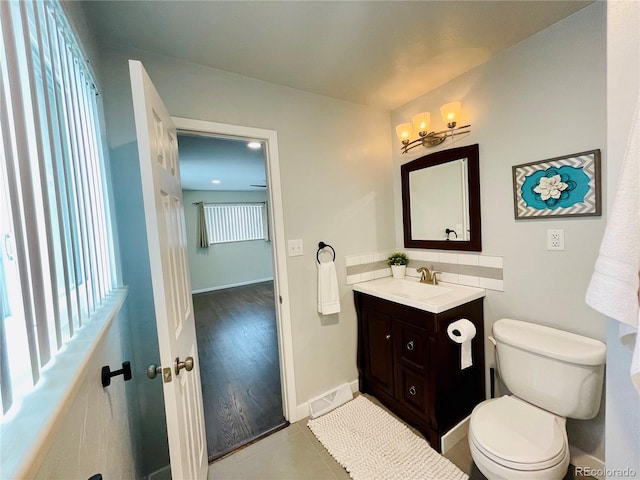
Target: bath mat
[[372, 445]]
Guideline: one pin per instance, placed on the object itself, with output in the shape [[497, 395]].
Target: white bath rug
[[372, 445]]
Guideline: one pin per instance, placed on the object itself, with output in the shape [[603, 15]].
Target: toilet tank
[[556, 370]]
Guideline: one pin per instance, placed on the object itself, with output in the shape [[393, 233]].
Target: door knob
[[187, 365], [153, 370]]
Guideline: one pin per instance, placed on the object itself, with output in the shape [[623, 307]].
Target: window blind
[[235, 222], [56, 251]]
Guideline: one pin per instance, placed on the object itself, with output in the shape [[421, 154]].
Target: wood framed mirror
[[441, 200]]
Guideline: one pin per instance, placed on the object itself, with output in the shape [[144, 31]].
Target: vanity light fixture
[[254, 145], [420, 125]]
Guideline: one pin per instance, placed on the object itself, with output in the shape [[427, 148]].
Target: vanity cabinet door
[[379, 349]]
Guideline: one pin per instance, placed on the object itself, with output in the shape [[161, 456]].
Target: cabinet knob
[[410, 345], [388, 337], [412, 390]]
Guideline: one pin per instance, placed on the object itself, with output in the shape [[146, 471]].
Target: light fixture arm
[[433, 139]]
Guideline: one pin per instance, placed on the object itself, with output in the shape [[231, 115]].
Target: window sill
[[24, 433]]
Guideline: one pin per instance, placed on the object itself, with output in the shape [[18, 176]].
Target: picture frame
[[567, 186]]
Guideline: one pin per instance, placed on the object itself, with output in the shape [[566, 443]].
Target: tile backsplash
[[470, 269]]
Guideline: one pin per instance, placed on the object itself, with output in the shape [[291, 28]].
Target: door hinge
[[280, 297]]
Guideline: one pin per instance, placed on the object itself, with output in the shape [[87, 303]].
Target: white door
[[166, 236]]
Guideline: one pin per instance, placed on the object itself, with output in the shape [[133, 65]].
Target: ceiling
[[229, 161], [378, 53]]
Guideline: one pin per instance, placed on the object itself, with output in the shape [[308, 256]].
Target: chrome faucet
[[428, 275]]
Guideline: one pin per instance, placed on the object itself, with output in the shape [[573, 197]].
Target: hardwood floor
[[239, 364]]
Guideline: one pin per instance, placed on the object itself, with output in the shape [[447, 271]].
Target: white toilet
[[552, 375]]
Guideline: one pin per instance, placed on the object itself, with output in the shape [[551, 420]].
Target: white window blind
[[55, 250], [235, 222]]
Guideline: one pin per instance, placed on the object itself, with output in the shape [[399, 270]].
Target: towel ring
[[321, 246]]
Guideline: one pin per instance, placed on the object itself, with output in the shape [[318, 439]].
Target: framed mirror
[[441, 200]]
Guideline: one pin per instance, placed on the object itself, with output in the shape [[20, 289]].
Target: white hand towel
[[328, 294], [615, 284]]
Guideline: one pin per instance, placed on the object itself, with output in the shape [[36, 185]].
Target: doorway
[[225, 195], [276, 224]]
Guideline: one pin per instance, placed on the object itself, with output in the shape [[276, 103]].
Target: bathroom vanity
[[406, 358]]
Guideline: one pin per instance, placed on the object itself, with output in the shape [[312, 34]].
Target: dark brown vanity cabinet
[[407, 361]]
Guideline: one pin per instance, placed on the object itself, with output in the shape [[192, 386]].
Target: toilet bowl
[[552, 375], [510, 439]]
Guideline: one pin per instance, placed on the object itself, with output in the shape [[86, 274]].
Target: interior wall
[[543, 98], [623, 90], [335, 187], [224, 264], [154, 454], [95, 434]]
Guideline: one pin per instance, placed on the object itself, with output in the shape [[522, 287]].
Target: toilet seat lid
[[517, 434]]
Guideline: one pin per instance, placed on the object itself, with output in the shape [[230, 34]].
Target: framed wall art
[[566, 186]]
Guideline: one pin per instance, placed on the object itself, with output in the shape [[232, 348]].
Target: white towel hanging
[[614, 286], [328, 293]]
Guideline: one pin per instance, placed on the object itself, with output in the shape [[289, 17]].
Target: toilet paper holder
[[463, 331]]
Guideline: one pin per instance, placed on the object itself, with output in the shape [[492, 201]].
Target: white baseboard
[[302, 410], [162, 474], [231, 285], [454, 435], [587, 465]]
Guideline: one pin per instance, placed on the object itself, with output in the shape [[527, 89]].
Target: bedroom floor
[[295, 453], [238, 350]]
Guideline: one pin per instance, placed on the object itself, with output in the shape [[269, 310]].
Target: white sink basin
[[414, 289], [409, 291]]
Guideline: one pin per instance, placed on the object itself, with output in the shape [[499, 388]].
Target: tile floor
[[294, 453]]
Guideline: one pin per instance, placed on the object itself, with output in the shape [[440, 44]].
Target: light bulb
[[450, 113], [421, 122], [404, 132]]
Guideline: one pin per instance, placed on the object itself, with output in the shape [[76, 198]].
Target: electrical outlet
[[295, 247], [555, 239]]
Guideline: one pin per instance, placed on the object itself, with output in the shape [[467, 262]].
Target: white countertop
[[409, 291]]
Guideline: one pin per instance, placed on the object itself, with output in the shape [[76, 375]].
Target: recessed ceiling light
[[215, 181], [254, 145]]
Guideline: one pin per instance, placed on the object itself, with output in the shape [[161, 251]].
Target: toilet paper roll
[[462, 331]]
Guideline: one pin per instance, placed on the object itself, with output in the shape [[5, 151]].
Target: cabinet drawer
[[413, 316], [412, 390], [411, 345]]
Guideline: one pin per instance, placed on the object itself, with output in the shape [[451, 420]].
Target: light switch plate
[[295, 248]]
